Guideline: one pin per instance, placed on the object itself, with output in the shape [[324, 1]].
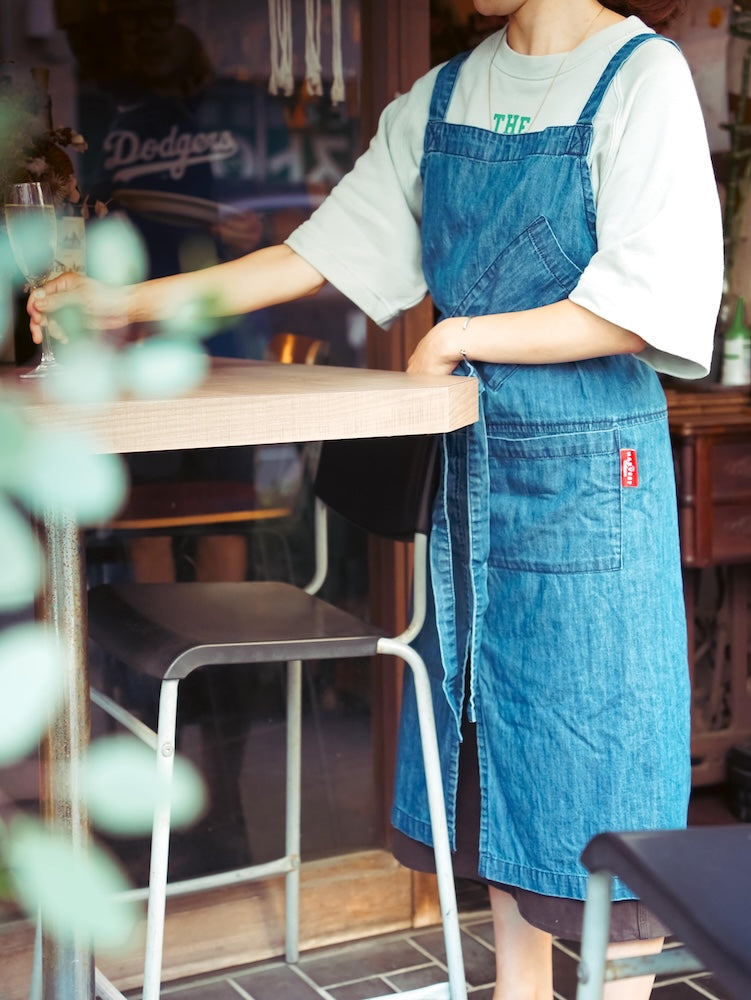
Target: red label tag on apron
[[629, 467]]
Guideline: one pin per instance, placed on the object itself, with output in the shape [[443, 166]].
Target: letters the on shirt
[[510, 124]]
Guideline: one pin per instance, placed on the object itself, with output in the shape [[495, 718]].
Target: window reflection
[[187, 142], [186, 139]]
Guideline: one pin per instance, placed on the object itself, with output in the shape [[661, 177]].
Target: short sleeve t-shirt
[[658, 268]]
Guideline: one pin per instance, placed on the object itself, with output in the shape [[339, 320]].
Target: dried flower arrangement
[[32, 150]]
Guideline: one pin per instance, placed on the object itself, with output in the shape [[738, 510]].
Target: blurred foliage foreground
[[51, 473]]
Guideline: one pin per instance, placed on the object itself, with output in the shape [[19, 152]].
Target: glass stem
[[48, 358]]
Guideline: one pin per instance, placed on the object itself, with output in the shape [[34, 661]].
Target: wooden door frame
[[395, 52]]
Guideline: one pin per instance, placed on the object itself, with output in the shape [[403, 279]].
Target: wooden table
[[711, 433], [240, 403], [247, 402]]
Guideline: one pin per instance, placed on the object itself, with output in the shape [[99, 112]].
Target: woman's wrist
[[131, 306], [464, 354], [144, 302]]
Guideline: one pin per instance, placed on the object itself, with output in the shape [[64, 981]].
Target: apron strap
[[595, 100], [444, 87]]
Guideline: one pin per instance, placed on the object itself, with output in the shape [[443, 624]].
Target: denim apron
[[554, 552]]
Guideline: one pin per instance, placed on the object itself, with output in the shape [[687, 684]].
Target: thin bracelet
[[465, 324]]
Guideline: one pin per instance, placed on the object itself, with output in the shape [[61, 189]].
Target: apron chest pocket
[[506, 286], [555, 502]]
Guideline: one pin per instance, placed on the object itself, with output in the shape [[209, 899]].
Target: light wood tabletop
[[257, 402]]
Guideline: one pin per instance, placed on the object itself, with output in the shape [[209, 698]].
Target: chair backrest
[[384, 485], [296, 349]]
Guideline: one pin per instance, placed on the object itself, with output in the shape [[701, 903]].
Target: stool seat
[[169, 630], [698, 882]]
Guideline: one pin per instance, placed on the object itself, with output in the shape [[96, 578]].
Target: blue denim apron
[[554, 551]]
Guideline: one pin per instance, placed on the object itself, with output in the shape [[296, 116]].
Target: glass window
[[185, 140]]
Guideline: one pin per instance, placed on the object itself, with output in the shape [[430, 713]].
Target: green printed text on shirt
[[510, 124]]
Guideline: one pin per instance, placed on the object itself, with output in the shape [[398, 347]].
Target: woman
[[553, 192]]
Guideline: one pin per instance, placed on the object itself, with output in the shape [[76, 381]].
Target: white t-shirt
[[658, 269]]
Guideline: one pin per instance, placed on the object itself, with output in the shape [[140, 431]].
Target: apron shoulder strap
[[595, 100], [444, 86]]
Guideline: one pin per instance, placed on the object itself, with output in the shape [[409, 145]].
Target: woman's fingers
[[49, 297], [100, 307]]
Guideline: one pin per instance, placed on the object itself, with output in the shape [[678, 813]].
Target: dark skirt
[[630, 920]]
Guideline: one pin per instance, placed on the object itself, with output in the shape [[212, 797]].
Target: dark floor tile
[[713, 986], [370, 958], [221, 990], [706, 983], [279, 983], [479, 961], [361, 991], [678, 991], [482, 929], [429, 975]]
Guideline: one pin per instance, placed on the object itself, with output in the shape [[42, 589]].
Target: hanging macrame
[[337, 83], [280, 31], [313, 47]]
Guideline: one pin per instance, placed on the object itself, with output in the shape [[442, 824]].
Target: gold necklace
[[555, 76]]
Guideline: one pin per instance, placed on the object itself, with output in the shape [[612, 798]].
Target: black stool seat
[[168, 630], [698, 882]]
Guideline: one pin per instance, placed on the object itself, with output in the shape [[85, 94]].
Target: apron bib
[[557, 619]]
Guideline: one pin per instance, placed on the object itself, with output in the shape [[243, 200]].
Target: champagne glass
[[32, 230]]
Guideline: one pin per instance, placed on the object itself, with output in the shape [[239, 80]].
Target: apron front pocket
[[555, 502]]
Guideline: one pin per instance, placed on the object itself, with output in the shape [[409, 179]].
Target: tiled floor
[[408, 960], [396, 963]]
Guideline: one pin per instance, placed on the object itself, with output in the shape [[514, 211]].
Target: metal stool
[[169, 630]]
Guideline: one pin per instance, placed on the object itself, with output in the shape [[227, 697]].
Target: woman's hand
[[438, 352], [101, 307]]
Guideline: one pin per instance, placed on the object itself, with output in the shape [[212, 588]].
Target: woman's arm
[[559, 332], [263, 278]]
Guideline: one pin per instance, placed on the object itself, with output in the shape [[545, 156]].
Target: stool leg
[[165, 760], [292, 821], [437, 808], [595, 936]]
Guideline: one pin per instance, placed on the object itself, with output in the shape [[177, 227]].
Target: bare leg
[[639, 988], [523, 954]]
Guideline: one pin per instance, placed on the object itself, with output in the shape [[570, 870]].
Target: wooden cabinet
[[711, 434]]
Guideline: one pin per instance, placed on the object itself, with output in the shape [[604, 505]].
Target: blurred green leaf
[[67, 326], [62, 475], [33, 241], [159, 368], [121, 787], [6, 309], [87, 374], [116, 253], [13, 435], [195, 319], [31, 680], [72, 889], [9, 273], [20, 559]]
